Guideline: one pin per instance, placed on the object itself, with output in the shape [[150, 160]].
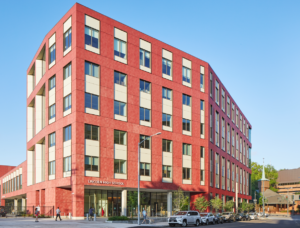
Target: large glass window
[[91, 37], [21, 181], [144, 58], [186, 74], [120, 78], [52, 53], [52, 83], [67, 164], [91, 132], [144, 169], [167, 171], [186, 149], [119, 166], [166, 120], [186, 100], [119, 137], [146, 143], [167, 145], [145, 114], [68, 39], [186, 124], [91, 163], [91, 69], [51, 111], [67, 102], [120, 48], [186, 173], [51, 168], [144, 86], [119, 108], [166, 67], [67, 133], [201, 81], [167, 94], [68, 71], [52, 139], [91, 101]]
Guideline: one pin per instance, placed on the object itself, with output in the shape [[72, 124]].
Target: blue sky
[[253, 46]]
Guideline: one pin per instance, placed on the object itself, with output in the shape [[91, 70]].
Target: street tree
[[201, 203], [180, 201], [229, 206], [216, 203]]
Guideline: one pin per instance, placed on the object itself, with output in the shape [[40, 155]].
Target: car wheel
[[214, 222], [207, 222], [184, 224], [197, 223], [172, 225]]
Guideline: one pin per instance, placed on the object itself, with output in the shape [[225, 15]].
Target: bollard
[[94, 217], [87, 216], [70, 215]]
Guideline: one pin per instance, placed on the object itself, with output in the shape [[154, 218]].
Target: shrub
[[117, 218]]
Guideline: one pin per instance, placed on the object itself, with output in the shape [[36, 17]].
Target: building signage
[[105, 182]]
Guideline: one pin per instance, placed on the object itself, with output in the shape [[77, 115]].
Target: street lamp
[[158, 133]]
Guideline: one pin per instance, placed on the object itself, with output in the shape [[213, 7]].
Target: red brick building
[[95, 89]]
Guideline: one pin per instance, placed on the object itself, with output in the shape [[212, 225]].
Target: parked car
[[228, 216], [185, 218], [242, 217], [207, 218], [260, 214], [2, 211], [253, 216], [219, 218]]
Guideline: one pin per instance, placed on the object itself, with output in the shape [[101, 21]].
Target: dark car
[[242, 217], [219, 218], [2, 211], [228, 217]]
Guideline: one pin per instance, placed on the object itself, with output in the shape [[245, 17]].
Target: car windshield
[[225, 213], [203, 215], [180, 213]]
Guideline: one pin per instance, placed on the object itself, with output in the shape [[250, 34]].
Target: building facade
[[95, 89], [288, 181]]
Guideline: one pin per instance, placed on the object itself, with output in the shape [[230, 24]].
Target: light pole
[[287, 206], [158, 133]]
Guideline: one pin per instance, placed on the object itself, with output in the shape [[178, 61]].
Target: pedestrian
[[144, 215], [58, 214], [36, 214], [91, 212]]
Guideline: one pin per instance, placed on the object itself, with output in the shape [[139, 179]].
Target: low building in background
[[288, 181]]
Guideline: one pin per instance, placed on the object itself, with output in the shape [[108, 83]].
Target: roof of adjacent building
[[275, 198], [288, 176]]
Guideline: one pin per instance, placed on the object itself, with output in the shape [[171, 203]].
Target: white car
[[260, 214], [207, 218], [253, 216], [185, 218]]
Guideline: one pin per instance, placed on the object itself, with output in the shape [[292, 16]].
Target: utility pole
[[263, 189]]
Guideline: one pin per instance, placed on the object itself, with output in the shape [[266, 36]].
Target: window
[[186, 124], [119, 166], [211, 123], [167, 67], [120, 48], [91, 163], [144, 169], [186, 74], [52, 83], [232, 115], [202, 151], [67, 102], [120, 78], [166, 120], [228, 138], [20, 181], [144, 58], [186, 173], [211, 86], [67, 164], [67, 133], [91, 101], [52, 53], [91, 69], [146, 143], [91, 132], [223, 100], [237, 118], [144, 86], [217, 93], [68, 39], [233, 142], [186, 149], [51, 111], [241, 123], [145, 114], [167, 171], [202, 129], [223, 134], [201, 175], [52, 139], [167, 145], [228, 107], [167, 94], [186, 100], [201, 105], [91, 37], [119, 137], [67, 71], [201, 81], [51, 168], [217, 129], [119, 108]]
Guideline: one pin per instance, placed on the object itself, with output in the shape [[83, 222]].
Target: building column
[[236, 198], [15, 204], [23, 203], [124, 202], [169, 203]]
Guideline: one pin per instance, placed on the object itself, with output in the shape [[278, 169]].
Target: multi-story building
[[288, 181], [95, 89]]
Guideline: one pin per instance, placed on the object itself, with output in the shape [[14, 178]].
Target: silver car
[[185, 218], [207, 218], [253, 216]]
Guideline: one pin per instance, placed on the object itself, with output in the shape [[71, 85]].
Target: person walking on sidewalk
[[91, 212], [36, 214], [144, 215], [58, 214]]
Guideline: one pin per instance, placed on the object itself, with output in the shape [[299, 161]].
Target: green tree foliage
[[243, 206], [132, 200], [216, 203], [180, 201], [250, 207], [201, 204], [229, 205]]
